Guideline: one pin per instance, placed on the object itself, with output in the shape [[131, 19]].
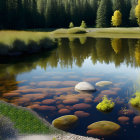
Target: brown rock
[[81, 114], [70, 101], [136, 120], [81, 106], [48, 101], [123, 119], [50, 108], [64, 111], [12, 94]]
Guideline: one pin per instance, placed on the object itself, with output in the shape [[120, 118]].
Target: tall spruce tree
[[104, 14], [132, 17]]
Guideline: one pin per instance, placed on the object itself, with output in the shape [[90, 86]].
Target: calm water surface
[[46, 83]]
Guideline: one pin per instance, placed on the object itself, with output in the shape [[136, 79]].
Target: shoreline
[[54, 132]]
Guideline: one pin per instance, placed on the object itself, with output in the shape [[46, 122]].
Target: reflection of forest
[[117, 51], [75, 50], [72, 51]]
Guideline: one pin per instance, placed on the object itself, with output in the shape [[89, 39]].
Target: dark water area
[[45, 83]]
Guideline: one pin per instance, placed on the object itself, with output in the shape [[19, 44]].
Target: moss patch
[[106, 105], [24, 120], [136, 100]]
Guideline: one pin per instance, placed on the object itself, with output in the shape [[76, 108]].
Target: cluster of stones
[[85, 86], [101, 128]]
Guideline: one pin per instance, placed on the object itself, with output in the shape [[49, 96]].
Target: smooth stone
[[81, 114], [123, 119], [103, 128], [103, 83], [136, 120], [65, 122], [84, 86]]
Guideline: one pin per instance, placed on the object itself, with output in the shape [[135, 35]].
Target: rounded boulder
[[103, 128], [65, 122], [103, 83], [84, 86]]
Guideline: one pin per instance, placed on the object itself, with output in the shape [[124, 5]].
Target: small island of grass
[[74, 30]]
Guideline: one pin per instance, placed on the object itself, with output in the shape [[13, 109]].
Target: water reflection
[[50, 92], [76, 50]]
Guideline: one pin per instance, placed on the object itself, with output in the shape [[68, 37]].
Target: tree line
[[23, 14]]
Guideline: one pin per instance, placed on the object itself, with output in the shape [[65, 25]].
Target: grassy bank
[[25, 121], [24, 42], [103, 33]]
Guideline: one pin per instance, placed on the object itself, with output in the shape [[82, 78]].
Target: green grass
[[23, 42], [8, 37], [75, 30], [24, 120], [113, 32]]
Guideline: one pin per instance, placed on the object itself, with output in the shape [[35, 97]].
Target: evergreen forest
[[30, 14]]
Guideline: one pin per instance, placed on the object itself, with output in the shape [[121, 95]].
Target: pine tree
[[132, 17], [104, 13], [118, 5], [117, 18], [71, 25], [83, 24], [137, 12]]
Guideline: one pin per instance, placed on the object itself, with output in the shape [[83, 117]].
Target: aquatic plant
[[136, 100], [106, 105]]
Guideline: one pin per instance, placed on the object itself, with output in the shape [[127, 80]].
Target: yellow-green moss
[[106, 105]]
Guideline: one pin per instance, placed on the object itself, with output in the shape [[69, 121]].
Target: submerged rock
[[81, 114], [103, 128], [103, 83], [81, 106], [123, 119], [136, 120], [65, 122], [64, 111], [84, 86]]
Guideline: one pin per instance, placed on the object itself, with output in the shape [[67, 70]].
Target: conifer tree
[[132, 17], [104, 13], [71, 25], [83, 24], [117, 18]]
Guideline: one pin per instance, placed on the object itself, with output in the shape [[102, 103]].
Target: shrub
[[76, 30], [71, 25], [83, 24], [106, 105], [135, 101]]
